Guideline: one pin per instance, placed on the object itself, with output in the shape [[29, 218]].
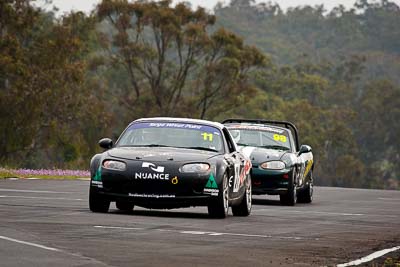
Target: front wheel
[[98, 203], [290, 198], [244, 208], [306, 195], [220, 206]]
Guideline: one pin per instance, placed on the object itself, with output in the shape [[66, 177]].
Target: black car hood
[[155, 154], [259, 155]]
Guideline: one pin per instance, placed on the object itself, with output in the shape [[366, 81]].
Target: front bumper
[[271, 182], [156, 201], [180, 190]]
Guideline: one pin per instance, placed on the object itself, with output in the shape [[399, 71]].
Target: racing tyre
[[290, 198], [124, 206], [306, 195], [220, 206], [97, 203], [244, 208]]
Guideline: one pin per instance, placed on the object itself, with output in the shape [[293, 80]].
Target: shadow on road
[[163, 213], [267, 202]]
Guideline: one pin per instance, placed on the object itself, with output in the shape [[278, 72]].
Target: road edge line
[[370, 257], [29, 243]]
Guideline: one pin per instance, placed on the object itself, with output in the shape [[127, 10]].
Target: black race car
[[165, 163], [280, 166]]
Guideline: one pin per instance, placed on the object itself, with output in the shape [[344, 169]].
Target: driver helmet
[[236, 135]]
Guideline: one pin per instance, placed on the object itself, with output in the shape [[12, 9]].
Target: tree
[[174, 65], [44, 93], [378, 131]]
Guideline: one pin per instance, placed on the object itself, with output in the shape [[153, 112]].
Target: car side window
[[229, 141], [292, 142]]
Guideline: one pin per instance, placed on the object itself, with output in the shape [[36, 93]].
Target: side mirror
[[305, 149], [106, 143]]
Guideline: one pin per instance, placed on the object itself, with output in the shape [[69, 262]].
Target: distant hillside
[[369, 30], [337, 76]]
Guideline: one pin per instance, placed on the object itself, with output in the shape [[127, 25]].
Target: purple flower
[[43, 172]]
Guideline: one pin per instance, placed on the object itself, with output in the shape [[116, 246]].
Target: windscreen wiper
[[149, 145], [157, 145], [241, 144], [201, 148], [275, 147]]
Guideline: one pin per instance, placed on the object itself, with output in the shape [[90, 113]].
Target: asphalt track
[[48, 223]]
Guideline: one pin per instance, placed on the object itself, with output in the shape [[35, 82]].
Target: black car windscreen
[[172, 134]]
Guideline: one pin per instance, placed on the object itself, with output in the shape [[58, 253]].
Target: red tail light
[[257, 182], [286, 176]]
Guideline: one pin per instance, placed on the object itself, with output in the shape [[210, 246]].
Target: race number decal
[[207, 136], [280, 138]]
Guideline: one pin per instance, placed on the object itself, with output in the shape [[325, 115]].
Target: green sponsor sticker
[[211, 182], [97, 175]]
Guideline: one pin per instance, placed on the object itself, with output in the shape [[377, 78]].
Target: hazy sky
[[87, 5]]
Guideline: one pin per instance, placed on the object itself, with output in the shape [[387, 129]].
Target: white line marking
[[28, 243], [54, 249], [355, 225], [33, 191], [385, 198], [52, 198], [115, 227], [194, 232], [316, 212], [326, 213], [335, 213], [206, 233], [369, 257]]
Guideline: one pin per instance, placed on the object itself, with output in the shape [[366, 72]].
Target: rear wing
[[285, 124]]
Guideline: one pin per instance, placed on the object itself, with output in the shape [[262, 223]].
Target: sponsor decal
[[308, 167], [211, 186], [175, 180], [211, 182], [237, 178], [158, 175], [151, 195], [240, 175], [213, 192], [247, 167], [175, 125], [190, 126], [152, 176], [98, 184], [153, 167], [257, 128]]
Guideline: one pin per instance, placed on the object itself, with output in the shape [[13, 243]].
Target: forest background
[[67, 81]]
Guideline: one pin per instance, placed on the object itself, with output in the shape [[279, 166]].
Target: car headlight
[[114, 165], [273, 165], [195, 167]]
